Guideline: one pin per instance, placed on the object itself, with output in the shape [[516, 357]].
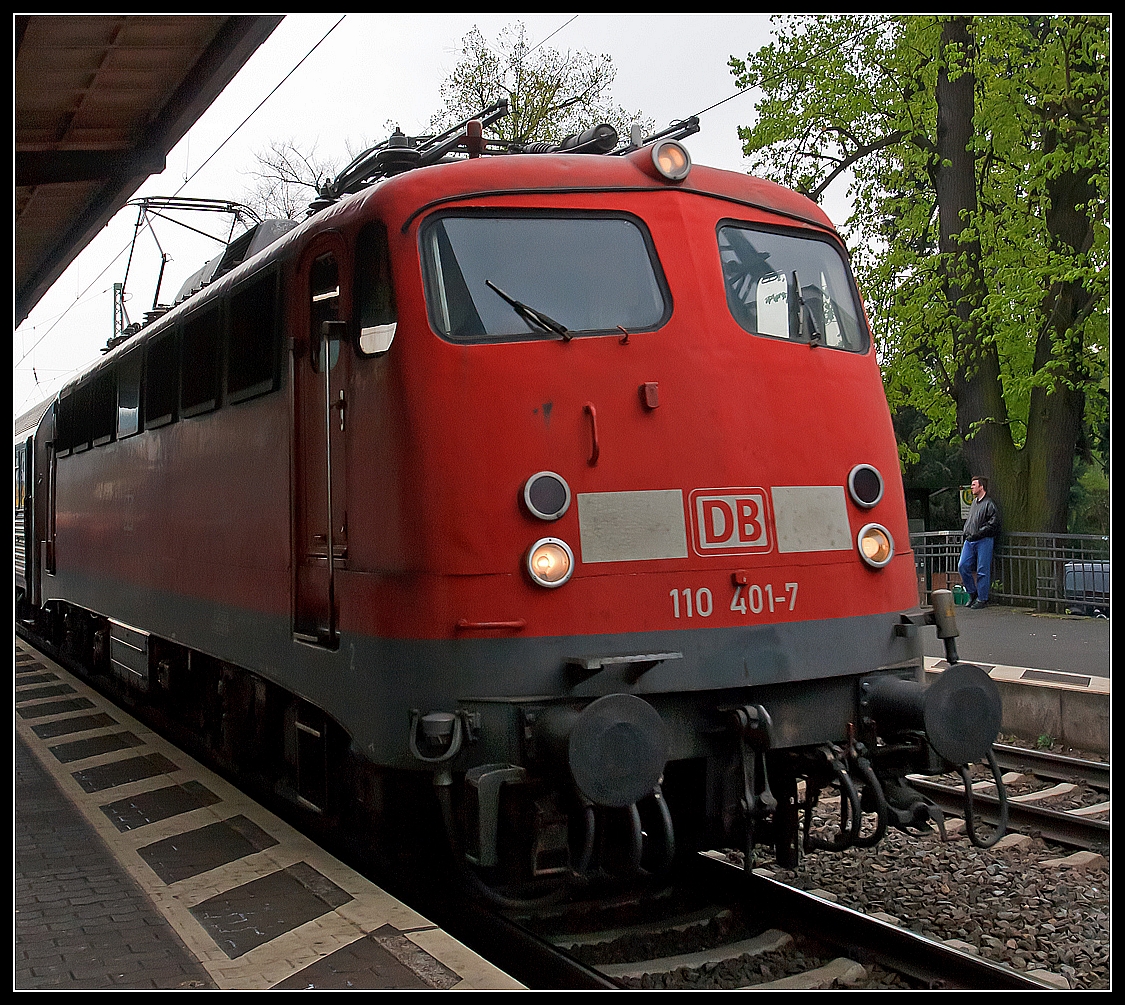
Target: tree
[[978, 153], [288, 180], [550, 94]]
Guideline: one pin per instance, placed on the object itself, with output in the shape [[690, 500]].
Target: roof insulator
[[398, 155]]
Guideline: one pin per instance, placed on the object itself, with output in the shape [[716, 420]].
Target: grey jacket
[[984, 520]]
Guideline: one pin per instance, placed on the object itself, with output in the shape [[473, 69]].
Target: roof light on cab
[[671, 159]]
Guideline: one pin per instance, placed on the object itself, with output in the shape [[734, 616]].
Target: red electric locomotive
[[559, 481]]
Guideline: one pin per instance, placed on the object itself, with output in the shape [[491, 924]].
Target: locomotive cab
[[718, 590]]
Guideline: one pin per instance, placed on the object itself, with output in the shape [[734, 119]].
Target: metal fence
[[1051, 572]]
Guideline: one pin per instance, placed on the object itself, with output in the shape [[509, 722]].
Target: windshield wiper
[[529, 314]]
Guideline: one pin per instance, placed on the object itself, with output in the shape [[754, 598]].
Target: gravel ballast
[[1007, 903]]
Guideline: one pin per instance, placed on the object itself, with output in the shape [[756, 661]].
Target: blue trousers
[[977, 556]]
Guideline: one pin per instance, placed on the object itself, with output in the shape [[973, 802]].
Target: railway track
[[1062, 799], [725, 929], [759, 932]]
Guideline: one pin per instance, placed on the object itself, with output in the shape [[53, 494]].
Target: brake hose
[[846, 838], [872, 782], [1002, 823]]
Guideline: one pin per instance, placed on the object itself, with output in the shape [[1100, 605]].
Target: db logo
[[730, 521]]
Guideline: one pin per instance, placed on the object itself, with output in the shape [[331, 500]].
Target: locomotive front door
[[321, 364]]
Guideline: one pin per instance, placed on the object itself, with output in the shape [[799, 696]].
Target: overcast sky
[[371, 69]]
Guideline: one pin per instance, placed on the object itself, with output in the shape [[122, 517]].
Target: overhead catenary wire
[[52, 317], [552, 35], [769, 77], [260, 103], [148, 223], [77, 300]]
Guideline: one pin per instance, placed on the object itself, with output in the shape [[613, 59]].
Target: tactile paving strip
[[259, 904]]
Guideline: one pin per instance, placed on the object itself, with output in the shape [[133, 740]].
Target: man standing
[[981, 530]]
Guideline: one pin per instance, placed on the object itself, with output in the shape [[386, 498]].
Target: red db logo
[[730, 521]]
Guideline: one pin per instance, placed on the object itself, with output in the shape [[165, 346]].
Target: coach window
[[129, 393], [375, 297], [80, 419], [252, 343], [324, 293], [103, 406], [64, 425], [200, 349], [790, 287], [162, 380], [21, 483]]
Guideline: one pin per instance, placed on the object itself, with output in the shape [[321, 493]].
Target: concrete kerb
[[1071, 708]]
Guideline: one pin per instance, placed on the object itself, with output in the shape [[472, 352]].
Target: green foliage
[[931, 473], [1089, 500], [551, 94], [854, 99]]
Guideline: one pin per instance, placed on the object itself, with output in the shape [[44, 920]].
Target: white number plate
[[749, 598]]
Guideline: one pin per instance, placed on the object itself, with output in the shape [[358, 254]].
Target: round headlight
[[865, 485], [550, 562], [546, 495], [671, 160], [876, 546]]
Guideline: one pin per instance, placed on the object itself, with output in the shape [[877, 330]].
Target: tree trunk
[[1054, 418], [981, 411]]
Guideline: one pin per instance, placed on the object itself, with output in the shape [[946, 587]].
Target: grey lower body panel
[[369, 685]]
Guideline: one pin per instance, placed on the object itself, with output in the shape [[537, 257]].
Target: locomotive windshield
[[795, 288], [586, 273]]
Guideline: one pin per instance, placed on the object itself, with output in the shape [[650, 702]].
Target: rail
[[1051, 572], [860, 937], [1063, 827]]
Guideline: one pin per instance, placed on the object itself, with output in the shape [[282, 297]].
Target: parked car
[[1086, 588]]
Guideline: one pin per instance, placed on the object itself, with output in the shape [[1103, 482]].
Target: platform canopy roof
[[100, 100]]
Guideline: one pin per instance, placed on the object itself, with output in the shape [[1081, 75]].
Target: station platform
[[1022, 637], [1052, 671], [137, 867]]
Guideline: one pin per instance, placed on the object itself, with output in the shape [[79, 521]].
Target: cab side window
[[324, 294], [375, 297], [129, 393]]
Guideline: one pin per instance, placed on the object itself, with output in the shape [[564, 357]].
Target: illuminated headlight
[[876, 546], [865, 485], [671, 160], [550, 562]]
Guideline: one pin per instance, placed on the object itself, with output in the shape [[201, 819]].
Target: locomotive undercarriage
[[590, 799], [759, 761], [746, 798]]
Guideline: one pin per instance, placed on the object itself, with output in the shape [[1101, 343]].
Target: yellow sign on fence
[[966, 500]]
